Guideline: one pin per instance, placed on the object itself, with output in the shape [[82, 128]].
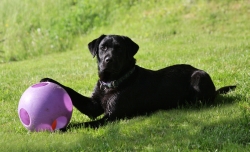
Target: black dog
[[126, 90]]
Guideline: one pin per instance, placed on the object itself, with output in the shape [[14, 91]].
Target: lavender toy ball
[[45, 106]]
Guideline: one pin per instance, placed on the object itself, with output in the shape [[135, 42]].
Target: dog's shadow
[[219, 101]]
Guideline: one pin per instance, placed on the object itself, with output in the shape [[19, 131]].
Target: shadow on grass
[[220, 100], [143, 134], [186, 128]]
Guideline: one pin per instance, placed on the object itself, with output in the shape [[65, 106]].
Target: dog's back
[[147, 91]]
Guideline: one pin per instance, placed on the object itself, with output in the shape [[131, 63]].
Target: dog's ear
[[93, 46], [131, 46]]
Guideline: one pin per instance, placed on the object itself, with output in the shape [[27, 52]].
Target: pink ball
[[45, 106]]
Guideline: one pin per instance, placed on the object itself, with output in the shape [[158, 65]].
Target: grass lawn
[[210, 35]]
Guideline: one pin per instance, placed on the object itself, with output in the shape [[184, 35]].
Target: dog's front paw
[[49, 80]]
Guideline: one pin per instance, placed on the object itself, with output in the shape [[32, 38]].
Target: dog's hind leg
[[202, 87]]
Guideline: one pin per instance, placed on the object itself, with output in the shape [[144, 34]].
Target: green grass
[[211, 35]]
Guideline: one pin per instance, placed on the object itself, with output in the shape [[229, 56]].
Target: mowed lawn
[[213, 36]]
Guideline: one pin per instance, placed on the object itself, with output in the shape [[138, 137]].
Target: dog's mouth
[[108, 73], [112, 71]]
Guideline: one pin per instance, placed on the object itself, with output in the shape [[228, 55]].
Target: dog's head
[[115, 55]]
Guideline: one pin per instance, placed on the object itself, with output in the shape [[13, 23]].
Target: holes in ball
[[59, 123], [54, 124], [67, 102], [41, 84], [24, 116]]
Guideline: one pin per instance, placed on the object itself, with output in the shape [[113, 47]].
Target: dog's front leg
[[90, 124], [97, 123], [88, 106]]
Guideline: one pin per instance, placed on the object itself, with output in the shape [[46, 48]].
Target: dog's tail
[[226, 89]]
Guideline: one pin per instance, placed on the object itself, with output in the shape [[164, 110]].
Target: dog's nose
[[108, 59]]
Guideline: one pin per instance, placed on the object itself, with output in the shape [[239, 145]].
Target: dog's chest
[[109, 101]]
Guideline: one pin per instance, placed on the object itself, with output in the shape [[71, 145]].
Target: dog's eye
[[104, 48]]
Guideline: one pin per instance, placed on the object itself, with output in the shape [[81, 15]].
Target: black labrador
[[125, 90]]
